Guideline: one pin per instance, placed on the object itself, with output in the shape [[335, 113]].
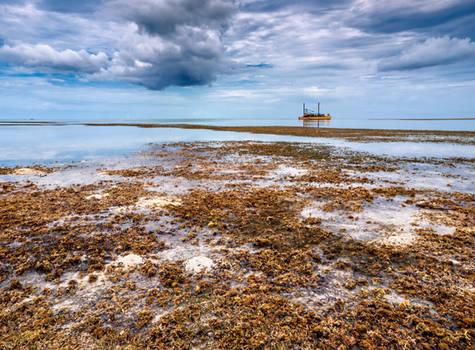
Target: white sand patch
[[158, 316], [198, 264], [147, 203], [286, 170], [33, 279], [86, 291], [401, 239], [438, 228], [129, 260], [385, 222], [445, 230], [119, 210], [179, 251], [66, 304], [157, 202], [395, 299], [97, 196], [329, 291], [400, 300], [427, 176], [28, 171]]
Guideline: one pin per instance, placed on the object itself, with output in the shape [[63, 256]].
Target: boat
[[311, 115]]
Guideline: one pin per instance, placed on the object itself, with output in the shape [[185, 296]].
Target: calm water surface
[[336, 122], [24, 145]]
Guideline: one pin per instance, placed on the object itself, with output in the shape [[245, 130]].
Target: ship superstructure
[[308, 114]]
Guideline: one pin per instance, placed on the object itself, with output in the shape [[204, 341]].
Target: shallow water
[[408, 149], [454, 125], [22, 145], [25, 145], [337, 122]]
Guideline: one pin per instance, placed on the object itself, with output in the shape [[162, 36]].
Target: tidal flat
[[239, 245]]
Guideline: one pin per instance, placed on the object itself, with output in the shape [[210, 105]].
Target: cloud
[[45, 59], [431, 52], [159, 44], [176, 43], [163, 43], [275, 5], [163, 17], [70, 6], [157, 63], [386, 16]]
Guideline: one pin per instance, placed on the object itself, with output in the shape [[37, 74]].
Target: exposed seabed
[[239, 244]]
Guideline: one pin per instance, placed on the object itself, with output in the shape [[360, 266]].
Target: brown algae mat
[[240, 245], [360, 135]]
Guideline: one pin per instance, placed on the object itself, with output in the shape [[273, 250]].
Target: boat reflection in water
[[315, 123]]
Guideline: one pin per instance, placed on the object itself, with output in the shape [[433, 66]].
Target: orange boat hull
[[316, 118]]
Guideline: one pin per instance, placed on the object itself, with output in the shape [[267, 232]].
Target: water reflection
[[315, 123], [456, 124], [24, 145]]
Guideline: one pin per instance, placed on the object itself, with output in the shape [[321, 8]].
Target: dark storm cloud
[[178, 43], [191, 57], [162, 17], [174, 71]]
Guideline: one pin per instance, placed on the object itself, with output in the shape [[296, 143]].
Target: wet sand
[[240, 245]]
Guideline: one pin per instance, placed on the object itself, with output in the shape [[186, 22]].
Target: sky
[[236, 59]]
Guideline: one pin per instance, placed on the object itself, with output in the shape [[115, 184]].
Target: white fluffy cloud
[[45, 57]]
